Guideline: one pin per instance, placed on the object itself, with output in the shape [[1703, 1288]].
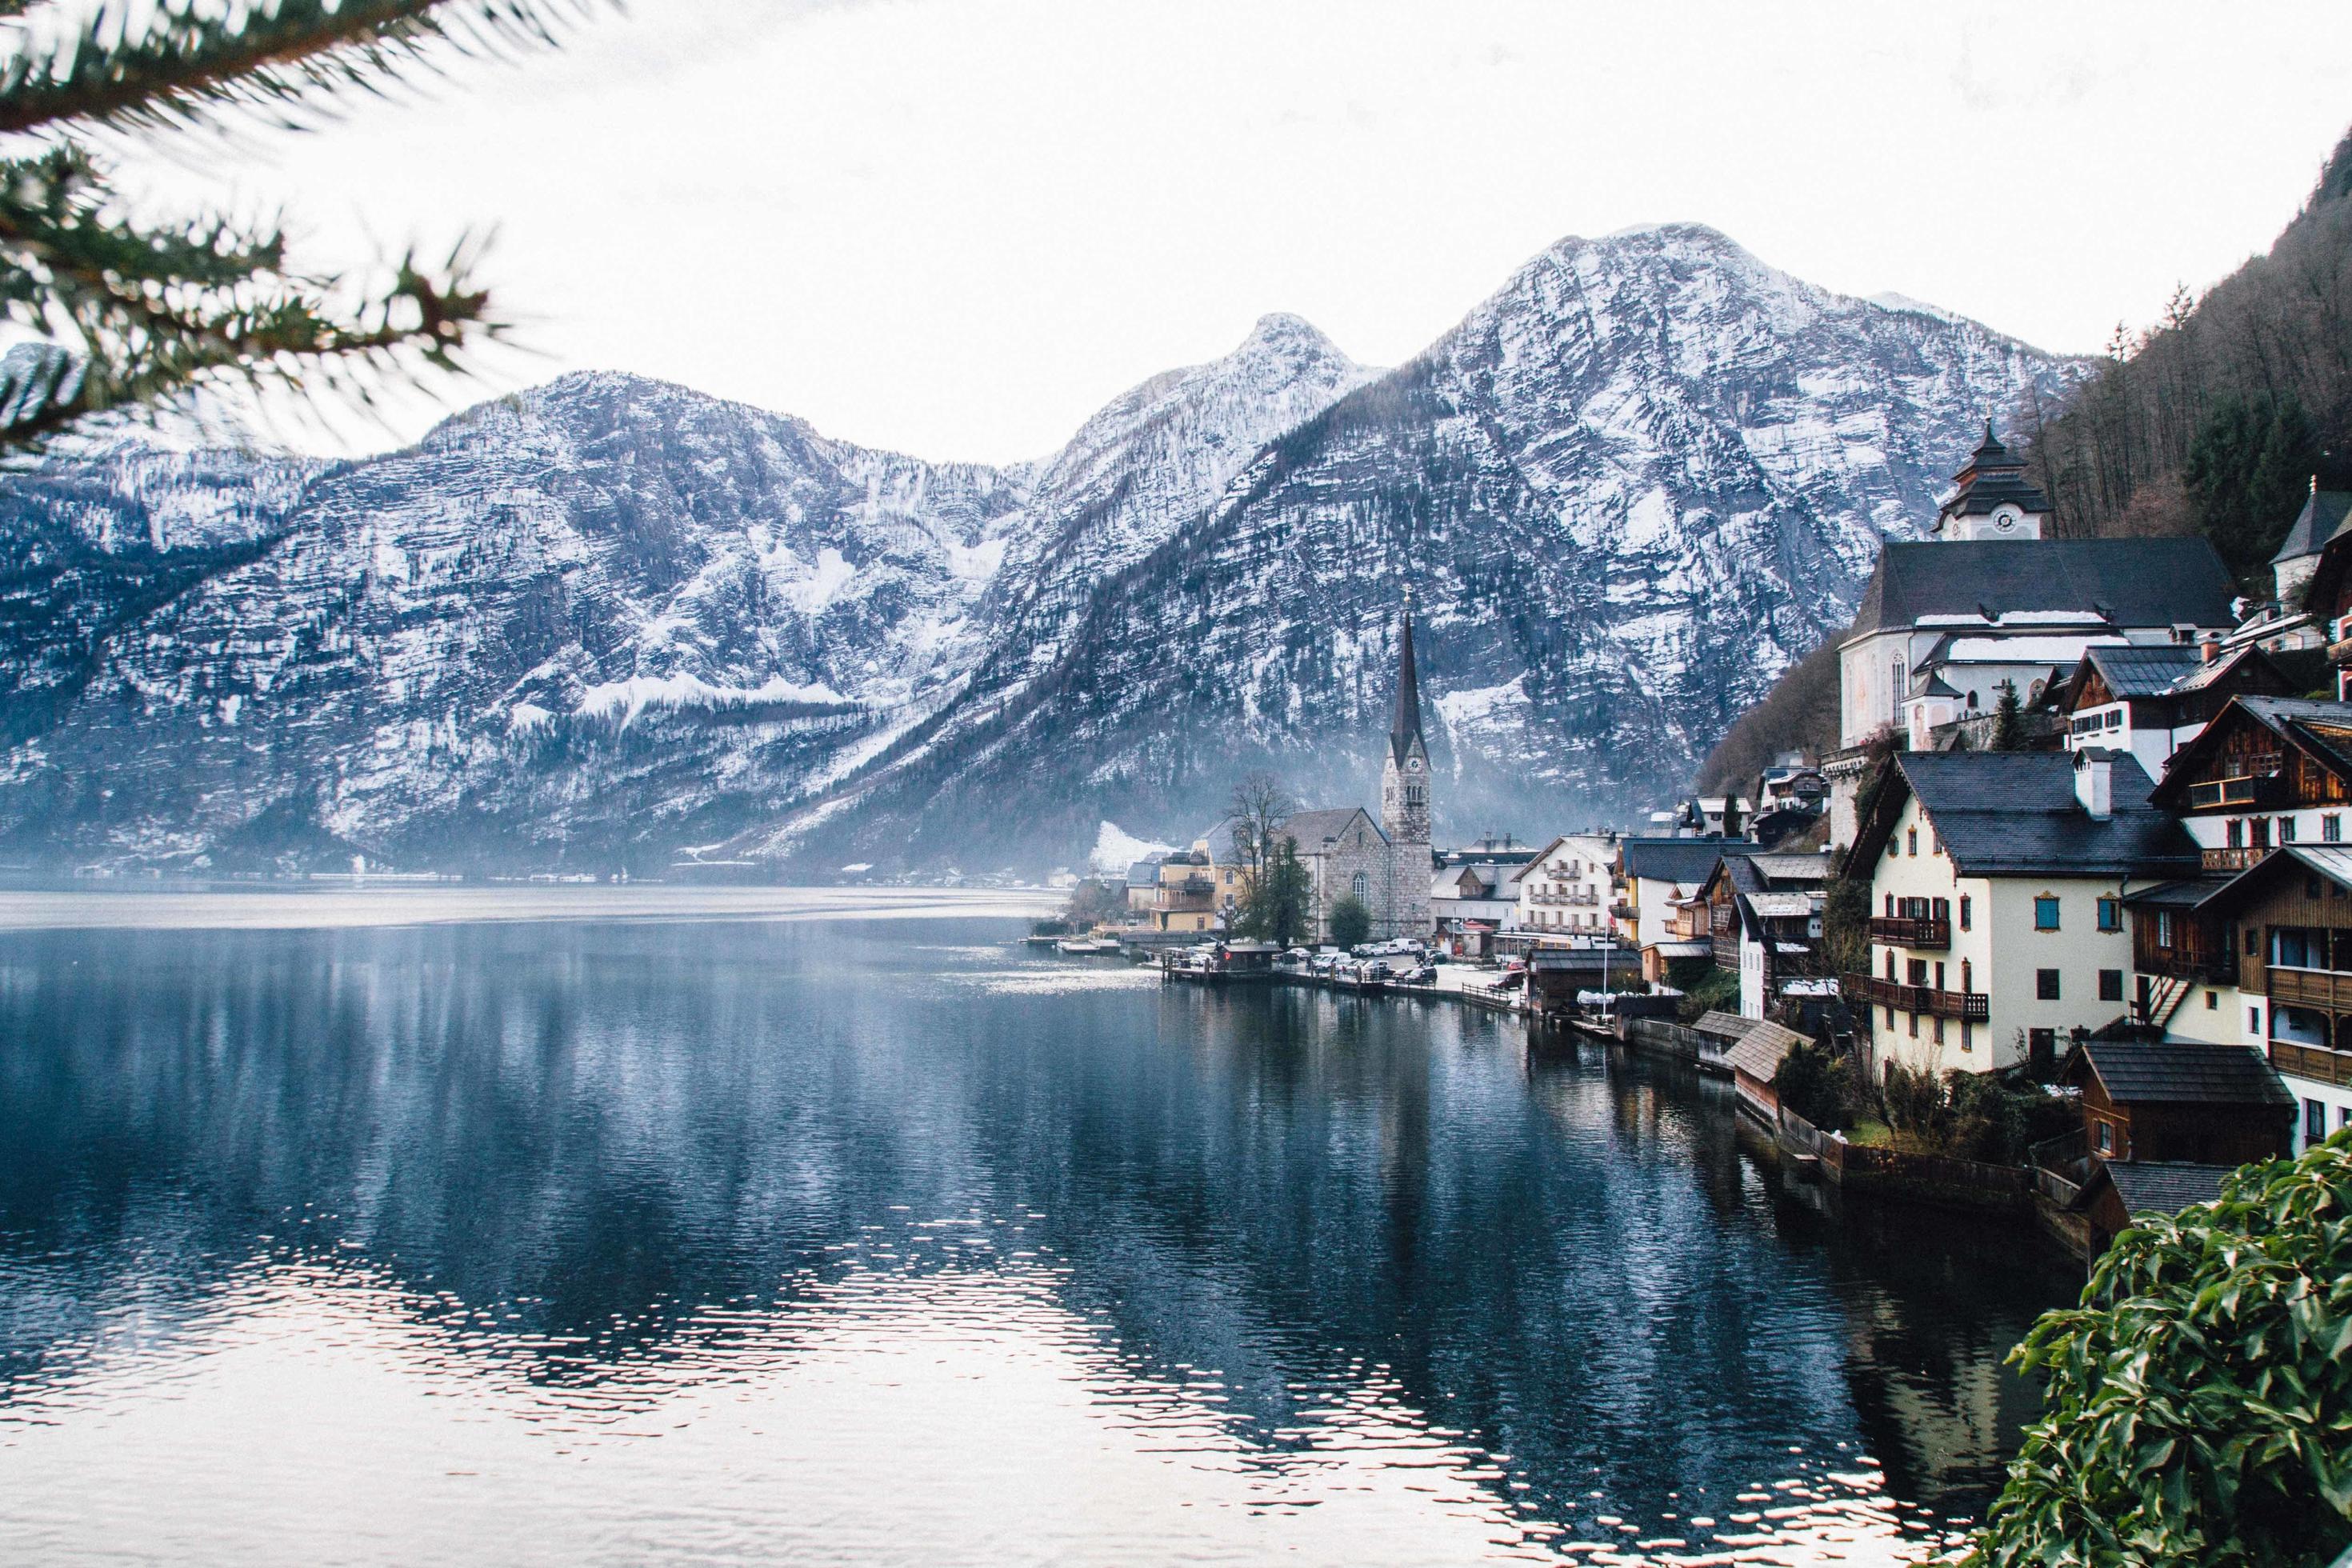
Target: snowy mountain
[[612, 622]]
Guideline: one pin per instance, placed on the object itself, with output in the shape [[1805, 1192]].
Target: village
[[2062, 928]]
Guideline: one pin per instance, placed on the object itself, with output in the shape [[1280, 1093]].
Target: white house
[[1998, 882], [2151, 700], [1568, 886]]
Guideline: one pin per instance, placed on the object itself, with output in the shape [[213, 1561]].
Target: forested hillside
[[2214, 421]]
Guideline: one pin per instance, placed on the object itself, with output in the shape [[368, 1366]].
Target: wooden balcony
[[2315, 1062], [2257, 789], [2324, 990], [1906, 931], [1726, 950], [1969, 1006], [2239, 858], [2209, 967]]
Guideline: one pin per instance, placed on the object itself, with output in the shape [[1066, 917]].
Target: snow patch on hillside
[[629, 697], [1116, 849]]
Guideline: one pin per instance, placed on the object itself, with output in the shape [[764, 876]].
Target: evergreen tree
[[2248, 469], [136, 310], [1350, 922], [2008, 722]]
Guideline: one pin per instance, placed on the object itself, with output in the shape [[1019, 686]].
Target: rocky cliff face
[[613, 623]]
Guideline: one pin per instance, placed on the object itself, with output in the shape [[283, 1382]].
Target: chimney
[[2211, 647], [2094, 784]]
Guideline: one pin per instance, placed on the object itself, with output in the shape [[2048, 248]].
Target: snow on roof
[[2043, 649]]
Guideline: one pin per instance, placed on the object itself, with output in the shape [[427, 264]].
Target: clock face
[[2004, 520], [1412, 765]]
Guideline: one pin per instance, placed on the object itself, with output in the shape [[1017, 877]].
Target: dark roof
[[1143, 874], [1310, 828], [2133, 582], [2191, 893], [1221, 839], [1992, 477], [1407, 729], [2183, 1072], [2321, 517], [2016, 813], [1685, 860], [2144, 669], [2165, 1187]]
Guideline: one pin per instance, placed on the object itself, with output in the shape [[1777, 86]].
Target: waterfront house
[[2262, 962], [1753, 1048], [1143, 885], [2179, 1099], [1185, 899], [1763, 922], [1469, 901], [1568, 886], [1659, 879], [2114, 1197], [1997, 888]]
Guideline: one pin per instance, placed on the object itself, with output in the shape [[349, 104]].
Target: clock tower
[[1990, 497], [1404, 796]]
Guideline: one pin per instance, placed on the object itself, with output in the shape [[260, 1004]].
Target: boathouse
[[2190, 1101]]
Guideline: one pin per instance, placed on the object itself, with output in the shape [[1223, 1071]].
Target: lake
[[777, 1234]]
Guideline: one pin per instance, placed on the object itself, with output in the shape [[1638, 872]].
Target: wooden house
[[2179, 1101], [2115, 1197]]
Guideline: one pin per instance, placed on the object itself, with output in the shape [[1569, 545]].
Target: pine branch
[[185, 69], [159, 313]]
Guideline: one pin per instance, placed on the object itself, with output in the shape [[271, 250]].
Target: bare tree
[[1259, 806]]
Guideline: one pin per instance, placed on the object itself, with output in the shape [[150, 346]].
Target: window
[[1967, 1035], [1967, 976], [2110, 984], [1972, 698], [1940, 975], [2040, 1052], [2045, 985], [2261, 830], [2236, 833], [1918, 970], [1914, 1025], [1890, 905], [2111, 914], [1361, 884], [1890, 964], [1939, 1029], [2286, 829], [2314, 1122], [2331, 828], [2045, 912], [2164, 928], [1911, 841], [2212, 1001], [1965, 912], [2106, 1139], [2254, 1020]]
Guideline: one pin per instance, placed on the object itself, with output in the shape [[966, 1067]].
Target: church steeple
[[1406, 732], [1404, 777]]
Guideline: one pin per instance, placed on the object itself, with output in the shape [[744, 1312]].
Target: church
[[1384, 864]]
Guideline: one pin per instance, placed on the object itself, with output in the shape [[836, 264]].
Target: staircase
[[2169, 991]]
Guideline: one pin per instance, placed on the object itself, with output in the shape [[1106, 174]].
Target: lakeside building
[[1997, 888], [1660, 880], [1763, 922], [1568, 886]]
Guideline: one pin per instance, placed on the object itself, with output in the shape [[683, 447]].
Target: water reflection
[[634, 1242]]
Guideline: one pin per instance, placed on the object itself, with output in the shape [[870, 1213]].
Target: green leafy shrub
[[1715, 991], [1817, 1086], [2200, 1400]]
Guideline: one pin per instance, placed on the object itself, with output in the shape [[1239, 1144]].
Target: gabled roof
[[1686, 861], [2015, 814], [2333, 861], [2179, 1072], [2322, 730], [2138, 669], [1804, 871], [2164, 1186], [1220, 841], [2140, 583], [2320, 519], [1310, 828]]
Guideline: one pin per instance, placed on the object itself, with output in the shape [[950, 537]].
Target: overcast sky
[[955, 228]]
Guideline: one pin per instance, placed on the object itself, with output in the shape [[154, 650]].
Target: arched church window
[[1361, 886]]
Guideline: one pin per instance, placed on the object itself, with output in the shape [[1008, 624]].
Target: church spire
[[1407, 729]]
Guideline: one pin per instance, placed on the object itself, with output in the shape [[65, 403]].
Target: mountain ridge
[[611, 621]]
